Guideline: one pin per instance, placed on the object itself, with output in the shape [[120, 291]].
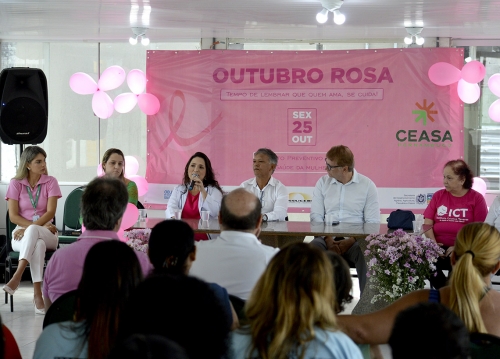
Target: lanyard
[[34, 202]]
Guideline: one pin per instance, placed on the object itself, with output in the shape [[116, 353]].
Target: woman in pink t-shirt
[[450, 209], [32, 198]]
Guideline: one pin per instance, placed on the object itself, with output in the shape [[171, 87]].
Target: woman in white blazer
[[199, 191]]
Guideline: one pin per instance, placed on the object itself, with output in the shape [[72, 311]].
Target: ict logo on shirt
[[456, 213]]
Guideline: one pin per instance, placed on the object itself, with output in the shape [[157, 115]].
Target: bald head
[[240, 211]]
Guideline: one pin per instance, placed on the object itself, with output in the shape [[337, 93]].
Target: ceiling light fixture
[[331, 6], [414, 36], [139, 32]]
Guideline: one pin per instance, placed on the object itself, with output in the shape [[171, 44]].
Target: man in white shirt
[[271, 192], [350, 197], [236, 259]]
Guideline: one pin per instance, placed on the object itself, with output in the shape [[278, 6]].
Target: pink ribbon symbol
[[174, 126]]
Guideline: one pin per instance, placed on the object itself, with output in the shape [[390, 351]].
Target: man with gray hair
[[272, 193], [103, 204]]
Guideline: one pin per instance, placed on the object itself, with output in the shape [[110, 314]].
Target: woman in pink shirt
[[449, 210], [32, 199]]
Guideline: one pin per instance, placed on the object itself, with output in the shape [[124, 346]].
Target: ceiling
[[173, 20]]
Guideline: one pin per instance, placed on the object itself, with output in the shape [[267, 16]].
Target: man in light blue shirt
[[349, 197]]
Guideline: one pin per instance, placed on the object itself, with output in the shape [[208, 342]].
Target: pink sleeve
[[481, 209], [14, 190], [53, 188], [430, 211]]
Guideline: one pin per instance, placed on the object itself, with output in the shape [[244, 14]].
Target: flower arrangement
[[399, 263], [138, 239]]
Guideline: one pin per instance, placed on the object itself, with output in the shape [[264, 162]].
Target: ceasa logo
[[426, 137]]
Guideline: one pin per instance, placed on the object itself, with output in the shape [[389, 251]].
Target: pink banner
[[380, 103]]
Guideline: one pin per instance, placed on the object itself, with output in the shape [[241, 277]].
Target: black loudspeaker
[[24, 106]]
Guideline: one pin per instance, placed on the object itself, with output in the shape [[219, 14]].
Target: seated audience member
[[172, 251], [291, 310], [271, 192], [8, 345], [439, 332], [474, 258], [103, 203], [181, 308], [110, 273], [236, 259], [139, 346], [113, 166], [342, 280], [449, 210]]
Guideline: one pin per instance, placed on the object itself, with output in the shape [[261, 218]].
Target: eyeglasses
[[329, 168]]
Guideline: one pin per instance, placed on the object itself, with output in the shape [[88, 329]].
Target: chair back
[[71, 216], [10, 227], [62, 310], [484, 346]]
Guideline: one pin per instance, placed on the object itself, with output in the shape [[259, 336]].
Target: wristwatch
[[264, 217]]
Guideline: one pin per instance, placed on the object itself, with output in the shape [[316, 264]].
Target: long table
[[290, 228]]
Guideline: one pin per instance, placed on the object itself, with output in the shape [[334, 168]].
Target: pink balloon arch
[[112, 78]]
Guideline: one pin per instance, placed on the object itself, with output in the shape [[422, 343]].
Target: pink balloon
[[129, 217], [142, 184], [100, 171], [111, 78], [148, 103], [102, 104], [473, 72], [136, 80], [82, 84], [125, 102], [443, 74], [494, 111], [494, 84], [83, 228], [468, 93], [479, 185], [131, 166]]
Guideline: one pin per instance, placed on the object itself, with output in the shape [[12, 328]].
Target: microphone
[[193, 182]]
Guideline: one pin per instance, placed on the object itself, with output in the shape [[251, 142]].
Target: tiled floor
[[24, 324]]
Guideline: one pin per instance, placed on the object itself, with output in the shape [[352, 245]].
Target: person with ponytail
[[476, 256]]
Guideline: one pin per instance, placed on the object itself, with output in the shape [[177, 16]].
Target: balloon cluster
[[494, 86], [444, 74], [102, 105]]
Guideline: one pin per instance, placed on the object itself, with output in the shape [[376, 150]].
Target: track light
[[414, 36], [139, 32], [331, 6]]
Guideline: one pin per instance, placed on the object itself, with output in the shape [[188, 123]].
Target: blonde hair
[[27, 156], [477, 251], [293, 295], [107, 155]]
